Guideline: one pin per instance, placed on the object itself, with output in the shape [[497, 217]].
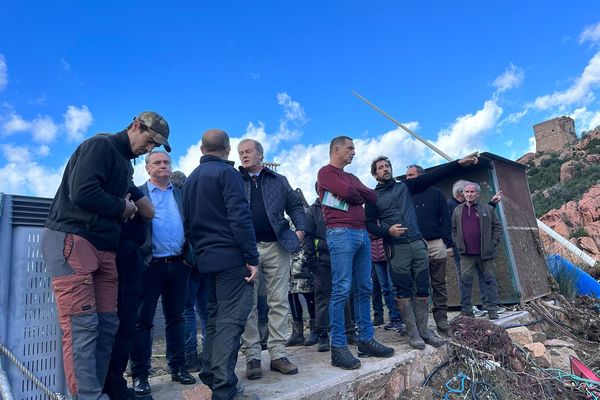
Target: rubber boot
[[421, 309], [313, 336], [408, 316], [297, 338]]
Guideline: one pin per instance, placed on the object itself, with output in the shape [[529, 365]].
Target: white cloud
[[3, 72], [585, 119], [531, 148], [42, 150], [465, 135], [509, 143], [77, 122], [14, 124], [43, 129], [22, 175], [511, 78], [590, 34], [580, 92], [65, 65]]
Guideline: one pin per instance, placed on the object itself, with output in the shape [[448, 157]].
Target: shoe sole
[[291, 372], [355, 366], [253, 377], [367, 355]]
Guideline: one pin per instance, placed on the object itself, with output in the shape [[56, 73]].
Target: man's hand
[[450, 251], [253, 271], [397, 230], [471, 159], [300, 235], [497, 197], [130, 208]]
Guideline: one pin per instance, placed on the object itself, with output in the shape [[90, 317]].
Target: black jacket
[[432, 215], [217, 220], [278, 196], [316, 251], [91, 197], [394, 205]]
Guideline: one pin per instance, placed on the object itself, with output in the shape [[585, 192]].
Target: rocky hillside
[[565, 189]]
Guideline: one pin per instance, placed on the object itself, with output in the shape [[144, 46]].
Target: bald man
[[218, 225]]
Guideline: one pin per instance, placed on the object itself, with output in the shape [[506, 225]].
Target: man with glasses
[[79, 244]]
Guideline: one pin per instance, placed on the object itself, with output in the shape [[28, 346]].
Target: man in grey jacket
[[476, 231]]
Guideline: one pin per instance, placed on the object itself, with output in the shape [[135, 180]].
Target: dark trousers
[[195, 302], [439, 294], [130, 267], [377, 301], [168, 281], [322, 281], [296, 305], [490, 285], [230, 300]]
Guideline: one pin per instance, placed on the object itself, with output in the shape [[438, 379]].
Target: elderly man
[[79, 244], [219, 228], [342, 197], [434, 223], [393, 217], [477, 231], [166, 276], [270, 195]]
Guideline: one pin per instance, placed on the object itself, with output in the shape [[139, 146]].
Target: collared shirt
[[167, 226]]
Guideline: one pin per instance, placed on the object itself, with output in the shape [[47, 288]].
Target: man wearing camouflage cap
[[79, 243]]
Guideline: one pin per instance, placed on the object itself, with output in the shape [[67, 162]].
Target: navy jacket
[[315, 246], [217, 220], [278, 197]]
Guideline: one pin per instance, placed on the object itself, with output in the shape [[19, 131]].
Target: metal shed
[[520, 265]]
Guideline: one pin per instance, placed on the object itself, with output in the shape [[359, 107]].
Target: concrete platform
[[318, 380]]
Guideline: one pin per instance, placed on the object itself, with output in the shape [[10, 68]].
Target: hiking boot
[[368, 348], [253, 369], [192, 363], [406, 310], [341, 357], [478, 312], [284, 366], [377, 320], [323, 343], [396, 326], [297, 338], [493, 314], [313, 336], [351, 338], [421, 309], [468, 313]]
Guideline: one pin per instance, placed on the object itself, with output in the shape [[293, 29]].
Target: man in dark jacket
[[166, 276], [218, 224], [435, 226], [409, 260], [79, 244], [270, 195], [477, 231]]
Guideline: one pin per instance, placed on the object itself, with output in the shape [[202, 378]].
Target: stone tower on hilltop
[[554, 134]]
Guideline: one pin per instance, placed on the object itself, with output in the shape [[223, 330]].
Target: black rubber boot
[[421, 309], [408, 316], [313, 336], [297, 338]]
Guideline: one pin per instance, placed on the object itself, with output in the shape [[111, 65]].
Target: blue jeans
[[197, 300], [350, 252], [387, 289]]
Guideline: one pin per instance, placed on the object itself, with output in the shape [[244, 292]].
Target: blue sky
[[467, 75]]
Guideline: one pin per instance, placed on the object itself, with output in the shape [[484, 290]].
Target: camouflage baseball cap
[[158, 127]]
